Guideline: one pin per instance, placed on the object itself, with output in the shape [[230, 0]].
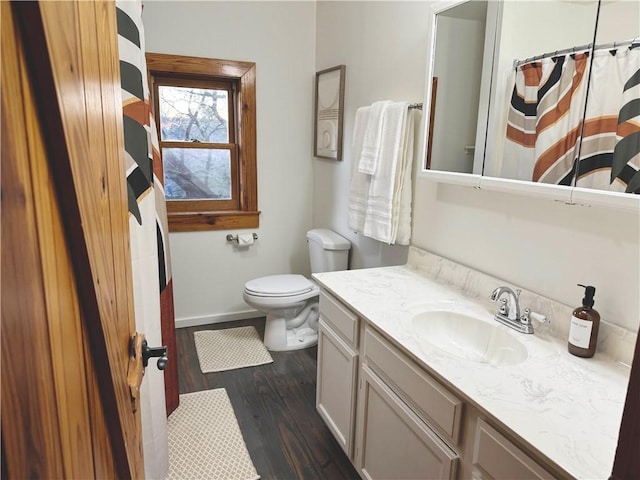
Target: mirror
[[455, 112], [516, 62]]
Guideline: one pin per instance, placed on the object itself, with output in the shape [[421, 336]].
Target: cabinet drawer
[[498, 458], [341, 319], [431, 400]]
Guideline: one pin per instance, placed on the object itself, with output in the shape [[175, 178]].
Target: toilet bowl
[[290, 301], [291, 305]]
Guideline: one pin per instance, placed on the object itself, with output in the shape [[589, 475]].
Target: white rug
[[205, 441], [230, 348]]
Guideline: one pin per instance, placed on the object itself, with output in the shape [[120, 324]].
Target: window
[[206, 116]]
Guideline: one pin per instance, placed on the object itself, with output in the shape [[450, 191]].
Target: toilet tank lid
[[329, 239]]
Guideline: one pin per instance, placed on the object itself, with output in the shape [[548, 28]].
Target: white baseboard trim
[[216, 318]]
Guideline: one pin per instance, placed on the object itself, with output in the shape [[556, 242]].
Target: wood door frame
[[626, 465]]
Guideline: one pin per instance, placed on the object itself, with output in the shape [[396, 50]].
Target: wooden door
[[67, 311]]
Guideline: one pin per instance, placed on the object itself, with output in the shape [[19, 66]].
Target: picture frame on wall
[[329, 112]]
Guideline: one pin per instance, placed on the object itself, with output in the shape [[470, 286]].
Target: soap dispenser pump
[[585, 322]]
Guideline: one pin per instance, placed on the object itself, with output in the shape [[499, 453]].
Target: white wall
[[384, 46], [208, 274]]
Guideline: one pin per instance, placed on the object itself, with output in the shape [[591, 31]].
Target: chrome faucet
[[509, 310]]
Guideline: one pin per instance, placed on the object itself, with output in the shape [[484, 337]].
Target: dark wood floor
[[275, 407]]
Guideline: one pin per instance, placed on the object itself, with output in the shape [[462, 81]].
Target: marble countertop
[[568, 408]]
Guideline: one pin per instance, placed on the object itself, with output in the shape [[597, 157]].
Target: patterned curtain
[[153, 292], [545, 119], [610, 151]]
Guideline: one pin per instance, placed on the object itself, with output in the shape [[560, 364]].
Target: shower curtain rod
[[611, 45]]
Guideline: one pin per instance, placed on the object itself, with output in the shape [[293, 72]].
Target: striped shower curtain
[[153, 293], [545, 119], [546, 141], [610, 150]]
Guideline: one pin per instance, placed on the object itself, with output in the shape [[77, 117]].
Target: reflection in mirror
[[610, 147], [458, 57], [517, 91], [540, 75]]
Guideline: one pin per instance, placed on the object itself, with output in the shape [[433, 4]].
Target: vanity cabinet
[[337, 370], [395, 420]]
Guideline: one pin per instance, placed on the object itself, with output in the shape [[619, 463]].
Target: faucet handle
[[504, 307], [527, 315]]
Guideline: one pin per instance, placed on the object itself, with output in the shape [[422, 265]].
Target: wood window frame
[[195, 215], [201, 205]]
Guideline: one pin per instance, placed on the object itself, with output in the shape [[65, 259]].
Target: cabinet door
[[336, 386], [393, 443]]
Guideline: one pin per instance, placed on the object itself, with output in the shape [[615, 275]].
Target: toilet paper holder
[[234, 238]]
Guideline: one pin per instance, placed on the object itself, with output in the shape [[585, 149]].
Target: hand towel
[[367, 158], [382, 204], [402, 227], [360, 182]]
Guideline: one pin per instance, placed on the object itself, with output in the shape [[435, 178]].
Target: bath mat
[[205, 439], [230, 348]]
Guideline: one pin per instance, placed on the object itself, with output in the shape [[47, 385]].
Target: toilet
[[291, 301]]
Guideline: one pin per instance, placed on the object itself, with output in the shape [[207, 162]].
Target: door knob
[[139, 355], [160, 352]]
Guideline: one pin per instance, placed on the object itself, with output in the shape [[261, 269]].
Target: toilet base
[[301, 338], [297, 339], [279, 338]]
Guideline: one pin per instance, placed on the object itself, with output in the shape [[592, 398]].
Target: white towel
[[360, 182], [386, 191], [402, 227], [367, 157]]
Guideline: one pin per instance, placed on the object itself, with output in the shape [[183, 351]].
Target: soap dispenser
[[585, 322]]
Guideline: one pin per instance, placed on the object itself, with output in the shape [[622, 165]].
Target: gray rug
[[230, 348], [205, 441]]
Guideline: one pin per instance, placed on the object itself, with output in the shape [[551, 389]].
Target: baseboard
[[216, 318]]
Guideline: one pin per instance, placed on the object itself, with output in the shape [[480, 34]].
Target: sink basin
[[469, 338]]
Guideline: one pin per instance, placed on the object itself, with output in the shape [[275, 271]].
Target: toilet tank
[[328, 251]]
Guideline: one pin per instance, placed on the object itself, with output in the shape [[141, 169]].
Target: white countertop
[[568, 408]]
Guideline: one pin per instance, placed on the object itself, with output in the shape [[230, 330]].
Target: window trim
[[244, 73]]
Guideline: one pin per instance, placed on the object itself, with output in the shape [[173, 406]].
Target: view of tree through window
[[195, 142]]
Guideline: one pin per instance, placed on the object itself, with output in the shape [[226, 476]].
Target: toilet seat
[[279, 286]]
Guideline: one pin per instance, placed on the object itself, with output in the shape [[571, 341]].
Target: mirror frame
[[569, 195]]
